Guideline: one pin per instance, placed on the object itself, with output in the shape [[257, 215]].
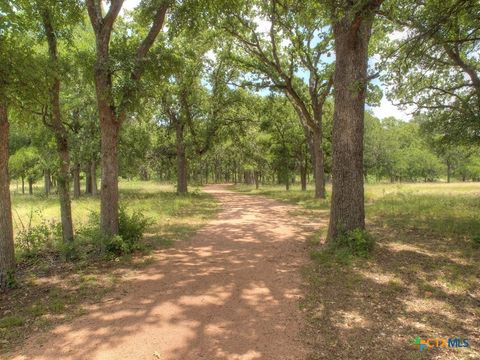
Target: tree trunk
[[318, 164], [181, 159], [88, 179], [144, 173], [46, 175], [7, 252], [30, 186], [449, 171], [347, 210], [257, 183], [109, 186], [111, 115], [303, 175], [23, 185], [76, 181], [93, 172], [61, 135]]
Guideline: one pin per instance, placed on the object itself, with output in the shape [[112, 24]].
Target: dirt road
[[230, 292]]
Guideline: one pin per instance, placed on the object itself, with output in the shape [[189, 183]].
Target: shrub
[[132, 227], [32, 239], [358, 242], [131, 230]]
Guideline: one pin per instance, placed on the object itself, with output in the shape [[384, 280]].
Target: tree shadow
[[230, 292], [413, 285]]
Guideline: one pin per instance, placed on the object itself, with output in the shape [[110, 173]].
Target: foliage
[[357, 242], [32, 239], [25, 163], [131, 231], [132, 228], [433, 67]]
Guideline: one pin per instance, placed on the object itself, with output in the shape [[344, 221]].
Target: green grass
[[293, 196], [441, 208], [174, 217], [11, 321]]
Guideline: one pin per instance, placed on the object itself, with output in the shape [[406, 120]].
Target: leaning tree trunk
[[7, 254], [61, 135], [181, 160], [351, 47]]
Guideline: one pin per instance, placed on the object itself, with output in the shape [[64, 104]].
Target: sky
[[385, 109]]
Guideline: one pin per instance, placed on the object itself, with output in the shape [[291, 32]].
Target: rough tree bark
[[303, 175], [88, 179], [76, 181], [181, 159], [318, 163], [93, 167], [352, 34], [7, 254], [46, 177], [111, 114], [60, 132]]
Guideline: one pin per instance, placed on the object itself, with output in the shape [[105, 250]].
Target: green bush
[[132, 227], [131, 230], [358, 242]]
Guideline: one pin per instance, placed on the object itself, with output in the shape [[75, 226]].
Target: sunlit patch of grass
[[395, 285], [174, 217], [440, 208], [294, 196], [438, 213]]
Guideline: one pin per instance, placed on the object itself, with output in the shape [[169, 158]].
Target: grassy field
[[448, 209], [173, 216], [422, 279], [51, 290]]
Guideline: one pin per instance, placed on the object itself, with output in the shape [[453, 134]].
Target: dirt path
[[230, 292]]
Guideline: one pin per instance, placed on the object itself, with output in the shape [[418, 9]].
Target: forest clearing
[[251, 179]]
